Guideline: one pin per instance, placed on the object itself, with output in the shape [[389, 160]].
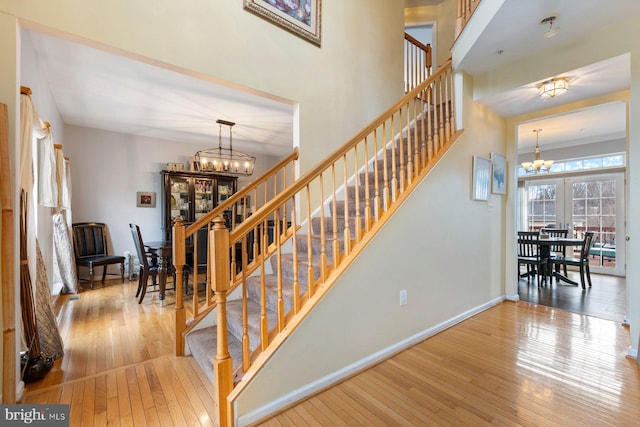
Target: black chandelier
[[224, 160]]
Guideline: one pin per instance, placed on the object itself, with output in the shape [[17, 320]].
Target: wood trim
[[24, 90], [8, 264]]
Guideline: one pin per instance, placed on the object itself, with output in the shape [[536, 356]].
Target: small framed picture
[[146, 199], [481, 178], [498, 174]]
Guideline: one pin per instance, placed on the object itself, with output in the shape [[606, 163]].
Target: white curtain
[[47, 183], [32, 129]]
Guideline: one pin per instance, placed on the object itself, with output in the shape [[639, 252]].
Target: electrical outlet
[[403, 297]]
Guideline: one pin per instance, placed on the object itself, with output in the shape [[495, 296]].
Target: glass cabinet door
[[203, 196], [224, 191], [179, 197]]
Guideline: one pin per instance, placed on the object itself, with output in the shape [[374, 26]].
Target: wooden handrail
[[8, 263], [397, 150], [242, 193], [417, 60], [337, 154], [182, 233]]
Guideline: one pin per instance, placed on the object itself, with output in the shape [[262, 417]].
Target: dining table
[[545, 245]]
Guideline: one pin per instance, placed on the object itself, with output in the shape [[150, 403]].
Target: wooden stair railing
[[262, 189], [465, 10], [325, 218], [417, 62]]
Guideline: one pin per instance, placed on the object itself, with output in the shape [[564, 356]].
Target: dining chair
[[148, 263], [582, 261], [529, 255], [556, 250], [201, 252]]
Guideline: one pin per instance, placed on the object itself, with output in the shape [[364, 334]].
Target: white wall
[[575, 151], [445, 249], [108, 168], [617, 39], [444, 16]]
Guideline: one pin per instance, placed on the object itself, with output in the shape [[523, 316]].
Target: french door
[[585, 203]]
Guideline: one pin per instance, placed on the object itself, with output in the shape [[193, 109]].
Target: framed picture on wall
[[481, 178], [498, 174], [146, 199], [301, 18]]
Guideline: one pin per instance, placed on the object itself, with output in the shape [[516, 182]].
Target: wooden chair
[[529, 255], [201, 249], [582, 261], [90, 247], [556, 250], [148, 263]]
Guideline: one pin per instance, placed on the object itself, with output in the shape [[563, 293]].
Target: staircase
[[270, 270]]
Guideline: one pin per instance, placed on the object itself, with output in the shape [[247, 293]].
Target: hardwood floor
[[606, 299], [514, 364]]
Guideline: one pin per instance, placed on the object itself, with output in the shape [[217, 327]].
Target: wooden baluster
[[412, 143], [453, 105], [441, 111], [209, 286], [394, 177], [194, 298], [430, 146], [246, 341], [447, 121], [334, 214], [436, 137], [429, 60], [367, 189], [357, 232], [310, 279], [347, 229], [280, 302], [407, 160], [376, 179], [264, 322], [296, 284], [385, 170], [402, 173], [179, 261], [222, 364], [423, 123], [324, 261]]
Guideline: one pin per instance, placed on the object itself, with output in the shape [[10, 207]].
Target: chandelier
[[225, 160], [553, 87], [538, 165]]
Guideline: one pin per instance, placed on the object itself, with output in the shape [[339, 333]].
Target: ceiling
[[97, 89], [503, 43]]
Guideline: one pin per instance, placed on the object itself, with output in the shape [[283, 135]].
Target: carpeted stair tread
[[234, 320], [203, 344], [271, 285]]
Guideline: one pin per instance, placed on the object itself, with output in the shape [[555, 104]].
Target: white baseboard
[[514, 298], [632, 352], [322, 383]]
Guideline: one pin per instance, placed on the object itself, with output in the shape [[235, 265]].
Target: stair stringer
[[245, 391]]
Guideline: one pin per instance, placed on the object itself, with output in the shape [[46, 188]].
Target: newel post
[[179, 257], [222, 364]]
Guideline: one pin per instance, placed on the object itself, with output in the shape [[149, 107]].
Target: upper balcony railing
[[465, 10]]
